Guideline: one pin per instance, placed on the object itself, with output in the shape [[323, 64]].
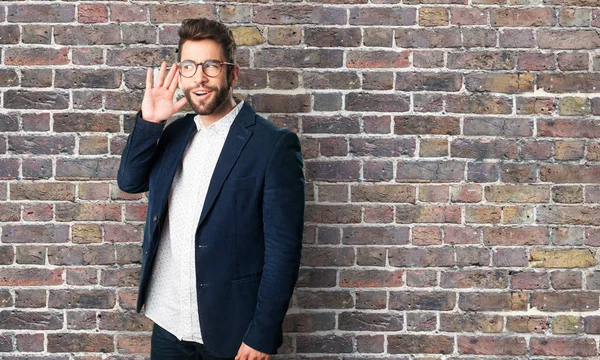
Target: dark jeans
[[165, 346]]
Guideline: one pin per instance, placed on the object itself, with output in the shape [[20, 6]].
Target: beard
[[207, 107]]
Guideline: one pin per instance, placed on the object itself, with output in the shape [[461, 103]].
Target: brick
[[9, 169], [511, 17], [382, 147], [421, 300], [124, 321], [485, 148], [377, 170], [31, 277], [332, 37], [573, 258], [145, 56], [136, 212], [370, 278], [568, 39], [81, 299], [41, 100], [31, 255], [481, 60], [324, 299], [357, 321], [573, 61], [567, 324], [570, 301], [87, 100], [567, 279], [299, 14], [574, 106], [478, 104], [86, 35], [518, 193], [381, 37], [30, 298], [378, 214], [528, 280], [327, 256], [519, 173], [36, 77], [486, 279], [93, 191], [496, 301], [474, 38], [176, 13], [499, 83], [568, 128], [88, 212], [10, 212], [434, 193], [395, 16], [9, 122], [281, 103], [436, 125], [284, 35], [9, 34], [127, 299], [426, 235], [420, 344], [466, 256], [329, 344], [471, 322], [80, 342], [568, 82], [106, 79], [51, 145], [515, 236], [428, 59], [36, 56], [483, 215], [421, 257], [127, 12], [30, 320], [285, 80], [84, 169], [377, 124], [377, 59], [563, 346], [81, 320], [93, 145], [492, 345], [370, 343], [567, 194], [567, 215], [42, 191], [32, 13], [332, 214], [377, 102], [336, 124], [433, 16], [333, 146], [383, 193], [429, 171], [468, 16], [92, 13], [86, 233], [428, 38], [32, 34], [421, 278], [406, 214], [48, 233], [466, 193], [30, 342], [371, 300], [524, 38], [82, 277], [7, 255], [527, 324], [81, 255], [517, 215], [331, 80], [526, 105], [333, 171], [378, 81], [433, 147], [423, 81]]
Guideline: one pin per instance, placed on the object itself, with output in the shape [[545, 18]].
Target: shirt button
[[155, 218]]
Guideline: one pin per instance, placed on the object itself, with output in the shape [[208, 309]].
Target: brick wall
[[451, 156]]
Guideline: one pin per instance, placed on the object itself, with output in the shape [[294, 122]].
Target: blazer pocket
[[240, 183]]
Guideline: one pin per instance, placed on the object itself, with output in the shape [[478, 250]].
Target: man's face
[[207, 95]]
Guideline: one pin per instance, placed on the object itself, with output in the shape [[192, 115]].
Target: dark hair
[[201, 29]]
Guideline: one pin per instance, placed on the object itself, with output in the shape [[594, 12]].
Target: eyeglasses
[[211, 68]]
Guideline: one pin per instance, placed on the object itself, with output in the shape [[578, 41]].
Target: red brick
[[377, 102], [36, 56], [569, 301], [21, 99], [88, 212], [426, 81], [377, 59], [9, 34], [571, 215], [528, 280], [86, 35], [511, 17], [428, 38], [468, 16], [471, 322], [421, 257], [461, 235], [474, 38], [92, 13], [527, 324], [515, 236], [72, 79], [492, 345], [429, 171], [518, 193], [30, 320], [486, 279], [30, 342], [568, 39], [569, 128], [406, 214], [395, 16], [523, 38], [85, 169], [80, 342], [420, 344], [434, 193], [32, 13], [329, 344], [382, 147], [31, 277], [370, 278], [428, 59], [358, 321], [426, 235], [48, 233], [563, 346], [484, 149], [127, 13], [332, 214], [145, 56], [478, 104], [481, 60], [493, 301], [466, 193], [81, 299], [42, 191]]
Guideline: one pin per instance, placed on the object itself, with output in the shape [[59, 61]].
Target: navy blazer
[[249, 235]]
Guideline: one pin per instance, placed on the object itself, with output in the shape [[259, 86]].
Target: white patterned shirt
[[172, 298]]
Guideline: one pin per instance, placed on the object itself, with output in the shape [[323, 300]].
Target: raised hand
[[158, 99]]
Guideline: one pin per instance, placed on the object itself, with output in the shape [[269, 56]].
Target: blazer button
[[155, 218]]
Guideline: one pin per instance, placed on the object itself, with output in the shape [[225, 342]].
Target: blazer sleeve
[[138, 155], [283, 224]]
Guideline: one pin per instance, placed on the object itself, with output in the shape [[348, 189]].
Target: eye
[[188, 65], [212, 65]]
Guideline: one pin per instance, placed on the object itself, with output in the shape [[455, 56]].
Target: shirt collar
[[224, 122]]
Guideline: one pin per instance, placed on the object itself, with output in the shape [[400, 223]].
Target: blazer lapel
[[234, 143]]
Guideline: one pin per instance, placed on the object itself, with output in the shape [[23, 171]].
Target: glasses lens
[[187, 68], [211, 68]]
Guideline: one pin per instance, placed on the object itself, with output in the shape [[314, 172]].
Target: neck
[[219, 112]]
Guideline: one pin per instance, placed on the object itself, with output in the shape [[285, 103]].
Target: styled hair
[[201, 29]]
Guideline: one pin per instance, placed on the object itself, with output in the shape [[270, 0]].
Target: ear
[[234, 74]]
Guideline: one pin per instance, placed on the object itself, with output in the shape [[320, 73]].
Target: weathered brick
[[518, 193], [87, 35], [81, 255], [425, 81], [567, 324], [420, 344], [324, 299], [81, 299], [492, 345], [484, 149], [572, 258], [428, 38], [568, 83], [145, 56], [468, 16], [377, 102], [426, 235], [332, 214], [71, 79], [527, 324], [568, 39], [30, 298], [428, 59], [9, 34], [31, 13], [496, 301], [85, 169], [567, 279], [281, 103], [371, 300], [512, 17], [42, 191], [406, 214], [395, 16], [88, 212], [382, 37], [31, 277], [30, 320], [487, 279], [329, 344], [548, 346], [568, 215], [471, 322], [421, 300], [377, 59], [499, 83], [433, 147], [337, 124], [86, 233], [382, 147], [478, 104], [36, 77], [284, 35], [47, 233], [421, 278], [44, 100], [421, 257], [80, 342], [569, 301], [127, 12], [535, 105], [569, 128], [370, 278], [333, 170], [433, 16], [434, 193], [30, 342], [429, 171], [82, 277], [573, 61], [327, 256]]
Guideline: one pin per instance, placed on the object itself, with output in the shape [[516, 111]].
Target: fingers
[[175, 80], [170, 76], [149, 79], [180, 103], [161, 74]]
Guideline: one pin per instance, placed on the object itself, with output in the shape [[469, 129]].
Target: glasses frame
[[201, 64]]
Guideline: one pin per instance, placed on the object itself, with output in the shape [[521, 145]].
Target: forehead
[[201, 50]]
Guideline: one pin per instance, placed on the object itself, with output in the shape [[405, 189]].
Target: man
[[223, 233]]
